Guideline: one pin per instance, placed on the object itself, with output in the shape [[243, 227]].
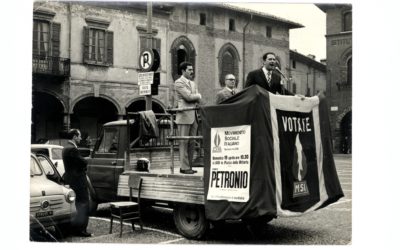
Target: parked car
[[85, 151], [54, 152], [51, 203]]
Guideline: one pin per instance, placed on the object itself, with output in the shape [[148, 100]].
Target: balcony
[[51, 66]]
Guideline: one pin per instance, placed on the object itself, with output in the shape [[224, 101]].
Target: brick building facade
[[339, 72], [307, 76], [85, 56]]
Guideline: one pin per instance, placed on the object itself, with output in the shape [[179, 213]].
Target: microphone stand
[[280, 72]]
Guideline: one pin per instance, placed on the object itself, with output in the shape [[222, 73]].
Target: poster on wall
[[230, 164]]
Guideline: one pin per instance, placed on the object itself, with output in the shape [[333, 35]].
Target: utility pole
[[149, 44]]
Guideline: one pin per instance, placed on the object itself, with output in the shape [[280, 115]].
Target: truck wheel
[[190, 221]]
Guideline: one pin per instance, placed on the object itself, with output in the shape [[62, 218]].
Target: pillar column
[[66, 122]]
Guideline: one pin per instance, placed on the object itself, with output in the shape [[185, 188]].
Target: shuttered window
[[46, 44], [46, 38], [98, 46]]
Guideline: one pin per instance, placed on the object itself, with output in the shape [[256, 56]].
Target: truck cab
[[108, 160]]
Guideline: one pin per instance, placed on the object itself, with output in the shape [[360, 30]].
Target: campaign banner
[[297, 155], [230, 164], [291, 170]]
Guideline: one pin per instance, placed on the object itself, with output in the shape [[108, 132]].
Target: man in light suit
[[186, 95], [229, 90], [267, 77]]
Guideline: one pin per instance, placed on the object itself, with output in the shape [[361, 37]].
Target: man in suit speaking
[[186, 96], [268, 76]]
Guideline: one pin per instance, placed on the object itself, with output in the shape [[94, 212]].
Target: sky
[[307, 40]]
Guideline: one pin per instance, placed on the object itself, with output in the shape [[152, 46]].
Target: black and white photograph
[[166, 124]]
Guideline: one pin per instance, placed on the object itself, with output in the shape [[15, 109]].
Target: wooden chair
[[128, 210]]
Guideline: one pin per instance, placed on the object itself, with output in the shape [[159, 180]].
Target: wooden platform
[[161, 185]]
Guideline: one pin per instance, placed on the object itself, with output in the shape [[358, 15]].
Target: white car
[[54, 152], [51, 203]]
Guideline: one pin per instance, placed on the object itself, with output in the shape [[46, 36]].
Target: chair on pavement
[[128, 210]]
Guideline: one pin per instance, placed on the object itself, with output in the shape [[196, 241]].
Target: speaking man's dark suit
[[274, 86], [75, 175]]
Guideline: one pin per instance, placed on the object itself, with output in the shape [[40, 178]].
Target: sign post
[[149, 43], [149, 61]]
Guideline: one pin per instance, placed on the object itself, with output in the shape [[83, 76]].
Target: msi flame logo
[[300, 187], [217, 142]]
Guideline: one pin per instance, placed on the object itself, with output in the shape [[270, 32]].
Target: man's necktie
[[269, 76], [233, 92]]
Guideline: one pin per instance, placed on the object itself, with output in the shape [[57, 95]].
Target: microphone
[[280, 72]]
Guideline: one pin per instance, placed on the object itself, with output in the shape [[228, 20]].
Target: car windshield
[[43, 151], [56, 153], [109, 142], [46, 165], [61, 142], [35, 168]]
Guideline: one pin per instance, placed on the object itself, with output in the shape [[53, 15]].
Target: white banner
[[230, 164]]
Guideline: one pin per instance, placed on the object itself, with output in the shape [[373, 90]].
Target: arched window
[[349, 71], [182, 56], [228, 61], [182, 50], [228, 66], [347, 21]]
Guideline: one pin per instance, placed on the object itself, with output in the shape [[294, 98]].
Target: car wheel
[[190, 221]]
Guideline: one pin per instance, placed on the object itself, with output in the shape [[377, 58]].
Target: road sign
[[145, 78], [149, 60], [145, 89]]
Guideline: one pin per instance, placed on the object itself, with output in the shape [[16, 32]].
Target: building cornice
[[294, 55], [344, 33], [44, 14]]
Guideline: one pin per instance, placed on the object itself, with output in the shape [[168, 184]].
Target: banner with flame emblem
[[297, 155], [230, 164], [290, 169]]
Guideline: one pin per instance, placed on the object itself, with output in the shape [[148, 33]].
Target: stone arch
[[345, 128], [89, 113], [346, 55], [54, 94], [345, 67], [339, 118], [108, 98], [224, 66], [159, 108], [182, 49], [47, 113]]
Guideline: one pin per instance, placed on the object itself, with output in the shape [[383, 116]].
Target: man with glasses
[[229, 90]]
